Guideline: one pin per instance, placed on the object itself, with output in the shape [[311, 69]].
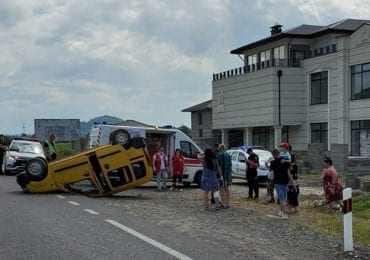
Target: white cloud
[[142, 59]]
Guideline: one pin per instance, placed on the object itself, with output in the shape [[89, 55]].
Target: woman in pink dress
[[332, 187]]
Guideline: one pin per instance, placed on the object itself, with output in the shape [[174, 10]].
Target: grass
[[329, 222], [64, 149]]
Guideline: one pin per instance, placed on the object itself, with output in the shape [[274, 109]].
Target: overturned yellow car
[[102, 171]]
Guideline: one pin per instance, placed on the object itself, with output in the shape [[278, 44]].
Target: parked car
[[238, 162], [120, 165], [20, 151]]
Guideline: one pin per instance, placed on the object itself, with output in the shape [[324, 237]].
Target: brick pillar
[[315, 156], [339, 155]]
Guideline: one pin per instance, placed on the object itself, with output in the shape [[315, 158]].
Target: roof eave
[[262, 42]]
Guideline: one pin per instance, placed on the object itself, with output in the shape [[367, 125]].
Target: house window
[[252, 62], [265, 58], [200, 118], [261, 136], [360, 81], [319, 133], [360, 138], [319, 88], [279, 56], [200, 132], [235, 137]]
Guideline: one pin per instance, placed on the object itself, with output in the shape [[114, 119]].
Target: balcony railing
[[320, 51], [257, 66], [277, 62]]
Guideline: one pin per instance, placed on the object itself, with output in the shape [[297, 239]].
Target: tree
[[185, 129]]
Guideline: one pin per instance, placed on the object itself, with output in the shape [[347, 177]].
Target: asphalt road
[[70, 226]]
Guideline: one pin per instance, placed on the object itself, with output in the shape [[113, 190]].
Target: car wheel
[[36, 169], [121, 137]]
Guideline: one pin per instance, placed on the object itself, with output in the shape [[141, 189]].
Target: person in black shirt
[[281, 180], [252, 165]]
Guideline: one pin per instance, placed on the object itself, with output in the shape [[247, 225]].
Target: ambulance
[[167, 137]]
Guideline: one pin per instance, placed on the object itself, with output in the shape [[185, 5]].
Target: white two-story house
[[307, 85]]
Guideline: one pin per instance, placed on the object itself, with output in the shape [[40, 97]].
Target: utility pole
[[23, 129], [279, 74]]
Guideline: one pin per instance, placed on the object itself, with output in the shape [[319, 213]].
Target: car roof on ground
[[31, 139], [246, 147], [25, 141]]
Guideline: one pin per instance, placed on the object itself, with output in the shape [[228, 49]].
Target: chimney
[[276, 29]]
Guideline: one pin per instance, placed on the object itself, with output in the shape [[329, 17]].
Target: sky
[[144, 60]]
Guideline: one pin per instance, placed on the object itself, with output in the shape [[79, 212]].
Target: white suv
[[239, 166], [20, 151]]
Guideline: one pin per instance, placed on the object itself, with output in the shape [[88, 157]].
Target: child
[[270, 185]]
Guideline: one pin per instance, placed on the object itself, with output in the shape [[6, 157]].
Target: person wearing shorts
[[281, 180]]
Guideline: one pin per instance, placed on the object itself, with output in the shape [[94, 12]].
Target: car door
[[241, 165], [234, 161]]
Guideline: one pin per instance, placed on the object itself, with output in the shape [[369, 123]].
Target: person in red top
[[177, 169], [332, 187]]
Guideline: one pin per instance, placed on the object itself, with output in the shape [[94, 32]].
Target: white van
[[170, 139]]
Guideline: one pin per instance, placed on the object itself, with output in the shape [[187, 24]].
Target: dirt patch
[[248, 230]]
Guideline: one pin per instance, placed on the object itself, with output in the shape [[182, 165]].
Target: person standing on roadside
[[281, 180], [332, 187], [49, 148], [2, 151], [252, 165], [293, 186], [177, 169], [270, 177], [224, 161], [215, 151], [160, 165], [209, 182]]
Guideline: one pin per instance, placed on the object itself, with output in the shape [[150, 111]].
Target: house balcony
[[282, 63]]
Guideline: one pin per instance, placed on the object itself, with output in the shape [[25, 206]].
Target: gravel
[[247, 230]]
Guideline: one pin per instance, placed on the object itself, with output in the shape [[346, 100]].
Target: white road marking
[[91, 211], [60, 196], [74, 203], [149, 240]]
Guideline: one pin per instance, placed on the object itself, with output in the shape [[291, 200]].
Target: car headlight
[[12, 158]]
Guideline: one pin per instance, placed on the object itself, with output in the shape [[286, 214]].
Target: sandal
[[206, 208], [218, 208]]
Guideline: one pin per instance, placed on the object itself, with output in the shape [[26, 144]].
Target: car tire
[[121, 137], [36, 169]]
